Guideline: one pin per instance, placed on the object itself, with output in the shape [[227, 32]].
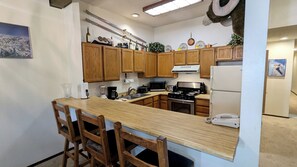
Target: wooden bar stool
[[155, 154], [70, 131]]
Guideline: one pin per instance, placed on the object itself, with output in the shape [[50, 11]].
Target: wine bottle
[[87, 35]]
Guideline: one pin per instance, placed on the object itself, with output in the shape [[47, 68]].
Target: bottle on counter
[[88, 35]]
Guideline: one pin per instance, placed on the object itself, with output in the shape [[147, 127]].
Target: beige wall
[[278, 89], [28, 129], [294, 77]]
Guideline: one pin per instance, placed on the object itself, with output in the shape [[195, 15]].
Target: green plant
[[235, 40], [156, 47]]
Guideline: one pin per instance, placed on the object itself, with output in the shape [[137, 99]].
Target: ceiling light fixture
[[165, 6], [284, 38], [135, 15]]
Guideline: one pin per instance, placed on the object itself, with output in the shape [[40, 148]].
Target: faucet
[[130, 89]]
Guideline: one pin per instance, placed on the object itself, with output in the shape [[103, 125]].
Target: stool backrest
[[64, 123], [159, 146], [97, 136]]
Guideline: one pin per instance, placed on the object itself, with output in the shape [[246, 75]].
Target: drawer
[[164, 97], [148, 100], [156, 98], [202, 102], [202, 109], [149, 105], [139, 102], [202, 114]]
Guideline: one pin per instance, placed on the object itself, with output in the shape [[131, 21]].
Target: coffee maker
[[112, 92]]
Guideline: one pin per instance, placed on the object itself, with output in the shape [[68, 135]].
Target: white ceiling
[[127, 7]]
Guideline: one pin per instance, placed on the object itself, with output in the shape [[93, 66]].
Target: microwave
[[157, 86]]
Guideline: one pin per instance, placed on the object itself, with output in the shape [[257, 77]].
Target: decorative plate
[[168, 48], [183, 46], [200, 44]]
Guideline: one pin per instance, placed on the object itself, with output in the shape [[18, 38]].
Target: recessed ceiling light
[[165, 6], [135, 15], [284, 38]]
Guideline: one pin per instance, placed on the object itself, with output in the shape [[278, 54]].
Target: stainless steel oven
[[181, 105]]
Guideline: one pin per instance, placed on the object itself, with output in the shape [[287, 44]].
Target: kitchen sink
[[134, 96]]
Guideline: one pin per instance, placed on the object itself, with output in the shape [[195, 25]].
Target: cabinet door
[[207, 59], [224, 53], [180, 58], [127, 60], [150, 65], [156, 104], [139, 61], [238, 53], [164, 104], [193, 57], [112, 63], [165, 64], [92, 62]]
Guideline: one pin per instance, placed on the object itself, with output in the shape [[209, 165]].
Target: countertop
[[187, 130]]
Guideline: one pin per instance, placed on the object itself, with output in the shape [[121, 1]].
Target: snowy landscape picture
[[14, 41], [277, 67]]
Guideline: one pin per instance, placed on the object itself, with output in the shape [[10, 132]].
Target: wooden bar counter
[[187, 130]]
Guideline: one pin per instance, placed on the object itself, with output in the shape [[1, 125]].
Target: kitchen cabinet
[[238, 52], [127, 61], [192, 57], [165, 65], [150, 66], [229, 53], [111, 63], [139, 61], [163, 102], [139, 102], [156, 102], [180, 58], [202, 107], [92, 62], [207, 59]]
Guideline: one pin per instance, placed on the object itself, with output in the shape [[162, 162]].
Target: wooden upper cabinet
[[139, 61], [165, 64], [224, 53], [238, 52], [193, 57], [180, 58], [112, 63], [92, 62], [150, 65], [207, 59], [127, 61]]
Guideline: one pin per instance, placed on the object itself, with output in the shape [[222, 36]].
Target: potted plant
[[156, 47], [235, 40]]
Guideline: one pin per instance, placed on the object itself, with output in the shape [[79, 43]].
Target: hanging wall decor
[[14, 41], [277, 67]]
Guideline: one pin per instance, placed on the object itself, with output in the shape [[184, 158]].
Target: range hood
[[186, 69]]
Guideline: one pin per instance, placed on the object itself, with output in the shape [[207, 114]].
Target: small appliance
[[84, 90], [142, 89], [157, 86], [112, 92]]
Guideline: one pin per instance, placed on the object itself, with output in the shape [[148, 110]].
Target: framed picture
[[277, 67], [14, 41]]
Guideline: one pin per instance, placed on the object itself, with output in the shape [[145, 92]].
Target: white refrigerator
[[225, 90]]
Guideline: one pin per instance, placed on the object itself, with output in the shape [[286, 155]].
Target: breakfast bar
[[183, 129]]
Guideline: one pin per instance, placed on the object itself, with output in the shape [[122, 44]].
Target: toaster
[[142, 89]]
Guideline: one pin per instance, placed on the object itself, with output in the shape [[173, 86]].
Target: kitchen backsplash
[[123, 87]]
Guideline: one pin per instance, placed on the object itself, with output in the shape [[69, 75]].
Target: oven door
[[182, 106]]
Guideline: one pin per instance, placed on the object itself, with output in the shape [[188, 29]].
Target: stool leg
[[65, 157], [92, 161], [76, 154]]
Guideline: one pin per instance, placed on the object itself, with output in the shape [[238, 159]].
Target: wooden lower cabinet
[[163, 102], [149, 102], [139, 102], [202, 107]]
